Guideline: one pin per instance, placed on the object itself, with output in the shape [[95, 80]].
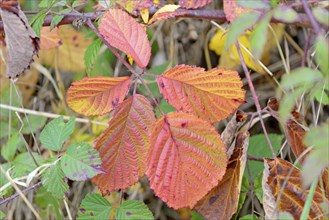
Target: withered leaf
[[21, 41], [285, 183], [222, 201]]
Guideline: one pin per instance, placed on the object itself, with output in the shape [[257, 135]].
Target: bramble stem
[[254, 95]]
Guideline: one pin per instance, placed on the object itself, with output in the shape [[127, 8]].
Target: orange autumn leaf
[[186, 159], [193, 4], [49, 39], [97, 95], [124, 144], [211, 95], [121, 31], [222, 201], [291, 198]]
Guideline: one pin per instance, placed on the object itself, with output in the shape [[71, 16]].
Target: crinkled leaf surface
[[94, 207], [53, 181], [124, 144], [124, 33], [133, 210], [97, 95], [222, 201], [211, 95], [192, 4], [292, 196], [186, 159], [81, 162], [56, 133]]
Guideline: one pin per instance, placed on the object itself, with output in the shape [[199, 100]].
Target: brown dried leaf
[[233, 125], [21, 41], [292, 197], [295, 133], [222, 201]]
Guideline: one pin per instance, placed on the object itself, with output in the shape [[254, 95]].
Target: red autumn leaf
[[186, 159], [192, 4], [211, 95], [222, 201], [284, 181], [121, 31], [124, 144], [232, 10], [97, 95], [166, 12]]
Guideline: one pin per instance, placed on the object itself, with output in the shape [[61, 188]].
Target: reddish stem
[[254, 95]]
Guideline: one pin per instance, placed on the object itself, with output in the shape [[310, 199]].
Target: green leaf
[[56, 133], [258, 38], [321, 15], [254, 4], [259, 147], [301, 77], [92, 53], [289, 100], [45, 3], [133, 210], [81, 162], [9, 149], [249, 217], [24, 164], [33, 123], [322, 55], [196, 216], [47, 204], [318, 159], [239, 26], [285, 216], [53, 181], [285, 14], [37, 21], [94, 207], [2, 215], [258, 187], [319, 93], [165, 107]]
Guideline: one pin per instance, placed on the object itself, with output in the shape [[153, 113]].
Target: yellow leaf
[[145, 15], [230, 58], [68, 56]]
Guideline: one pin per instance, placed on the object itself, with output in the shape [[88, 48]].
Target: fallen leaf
[[222, 201], [49, 39], [69, 56], [285, 183]]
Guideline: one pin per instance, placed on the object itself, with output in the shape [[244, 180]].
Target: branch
[[23, 191], [217, 15]]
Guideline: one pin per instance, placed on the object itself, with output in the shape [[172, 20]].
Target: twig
[[49, 115], [315, 24], [306, 47], [20, 193], [217, 15], [254, 95], [250, 157], [35, 186]]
